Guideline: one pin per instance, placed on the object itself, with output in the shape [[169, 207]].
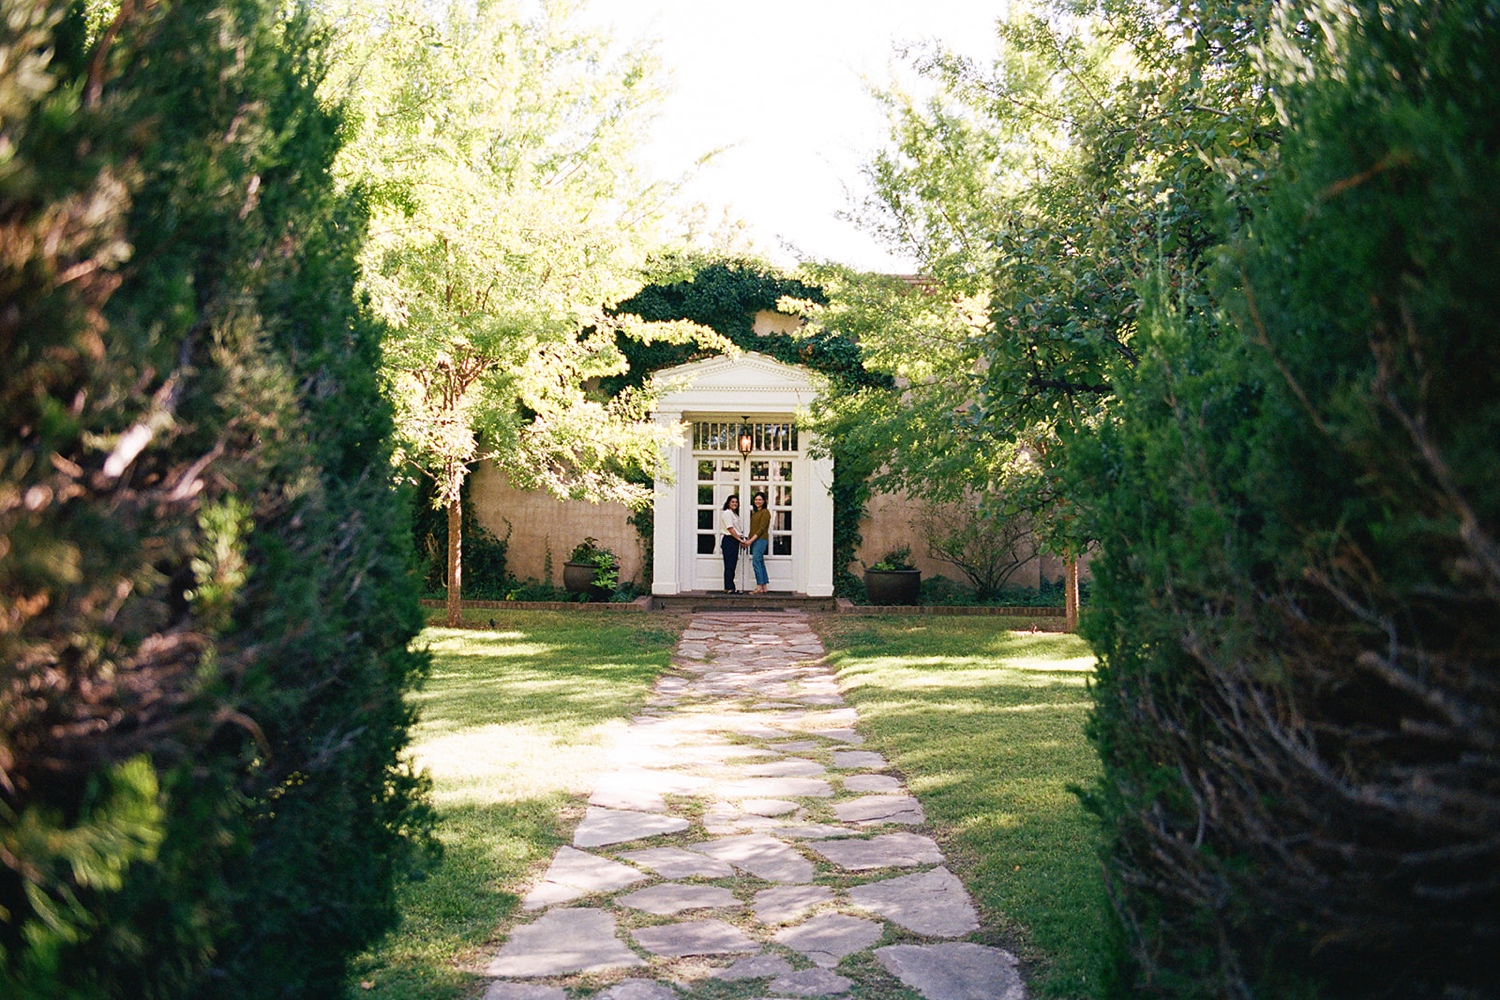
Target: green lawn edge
[[985, 722]]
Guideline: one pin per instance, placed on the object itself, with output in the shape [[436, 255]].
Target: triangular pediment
[[736, 382]]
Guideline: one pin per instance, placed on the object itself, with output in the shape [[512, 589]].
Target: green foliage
[[1297, 501], [1037, 191], [979, 536], [724, 296], [486, 573], [896, 560], [205, 602], [498, 142]]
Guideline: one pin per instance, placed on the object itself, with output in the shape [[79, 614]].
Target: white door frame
[[759, 389]]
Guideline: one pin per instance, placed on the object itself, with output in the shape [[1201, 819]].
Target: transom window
[[715, 435]]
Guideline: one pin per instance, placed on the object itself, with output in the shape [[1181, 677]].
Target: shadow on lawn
[[987, 728], [556, 677]]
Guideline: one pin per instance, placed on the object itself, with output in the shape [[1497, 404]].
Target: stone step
[[702, 601]]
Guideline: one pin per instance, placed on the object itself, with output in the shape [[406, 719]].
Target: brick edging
[[844, 608], [634, 605], [1005, 611]]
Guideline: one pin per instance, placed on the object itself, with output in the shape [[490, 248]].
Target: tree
[[1037, 193], [1298, 505], [509, 215], [205, 604]]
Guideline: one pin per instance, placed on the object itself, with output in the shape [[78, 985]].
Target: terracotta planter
[[578, 577], [893, 586]]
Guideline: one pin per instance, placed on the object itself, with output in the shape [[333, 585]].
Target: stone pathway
[[743, 848]]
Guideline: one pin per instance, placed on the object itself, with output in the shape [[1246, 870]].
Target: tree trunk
[[455, 560], [1070, 593]]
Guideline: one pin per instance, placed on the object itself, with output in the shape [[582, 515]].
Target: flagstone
[[769, 807], [636, 799], [500, 990], [674, 897], [673, 862], [891, 850], [693, 937], [932, 903], [829, 938], [842, 735], [775, 788], [617, 826], [954, 971], [789, 767], [815, 831], [563, 941], [787, 902], [858, 759], [574, 874], [872, 809], [638, 989], [755, 967], [724, 820], [762, 856], [811, 983], [742, 723]]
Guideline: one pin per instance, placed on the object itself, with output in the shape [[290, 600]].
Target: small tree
[[987, 540], [499, 151]]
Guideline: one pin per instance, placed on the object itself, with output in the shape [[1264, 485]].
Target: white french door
[[719, 477]]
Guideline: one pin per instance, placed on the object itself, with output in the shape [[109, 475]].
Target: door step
[[706, 601]]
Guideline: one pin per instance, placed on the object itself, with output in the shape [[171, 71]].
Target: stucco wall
[[537, 521], [894, 520]]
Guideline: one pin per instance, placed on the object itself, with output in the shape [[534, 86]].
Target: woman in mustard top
[[760, 540]]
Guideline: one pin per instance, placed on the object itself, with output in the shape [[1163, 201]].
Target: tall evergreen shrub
[[1298, 706], [205, 595]]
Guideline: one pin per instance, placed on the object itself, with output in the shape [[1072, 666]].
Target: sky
[[782, 85]]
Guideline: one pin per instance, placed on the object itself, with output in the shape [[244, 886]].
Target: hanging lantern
[[747, 442]]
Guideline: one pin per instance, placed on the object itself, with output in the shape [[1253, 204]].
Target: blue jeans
[[758, 560]]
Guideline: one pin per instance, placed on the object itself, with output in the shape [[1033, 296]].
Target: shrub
[[981, 538], [205, 588], [1298, 597]]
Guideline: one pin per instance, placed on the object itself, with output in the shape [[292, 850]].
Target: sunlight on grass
[[514, 727], [986, 725]]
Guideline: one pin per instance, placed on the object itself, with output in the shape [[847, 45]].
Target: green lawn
[[514, 723], [986, 725]]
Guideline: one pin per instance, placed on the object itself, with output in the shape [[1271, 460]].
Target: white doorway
[[712, 402], [719, 478]]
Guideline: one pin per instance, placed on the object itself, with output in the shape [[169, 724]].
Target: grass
[[514, 726], [986, 725]]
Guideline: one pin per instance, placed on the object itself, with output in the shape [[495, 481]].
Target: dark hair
[[732, 496], [761, 497]]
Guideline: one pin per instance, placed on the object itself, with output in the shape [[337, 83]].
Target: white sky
[[782, 84]]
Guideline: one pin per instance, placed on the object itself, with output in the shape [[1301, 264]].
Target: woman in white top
[[731, 539]]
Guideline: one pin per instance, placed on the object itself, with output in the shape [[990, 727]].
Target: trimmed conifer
[[1299, 593], [205, 573]]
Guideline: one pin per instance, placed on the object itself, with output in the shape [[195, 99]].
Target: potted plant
[[893, 579], [591, 569]]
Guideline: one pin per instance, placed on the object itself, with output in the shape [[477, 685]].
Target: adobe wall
[[893, 520], [537, 521]]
